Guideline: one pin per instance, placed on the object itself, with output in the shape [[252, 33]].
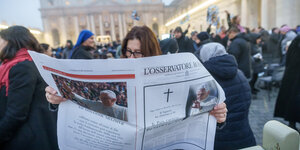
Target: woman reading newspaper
[[140, 42]]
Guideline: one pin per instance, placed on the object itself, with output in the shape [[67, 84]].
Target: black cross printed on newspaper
[[168, 94]]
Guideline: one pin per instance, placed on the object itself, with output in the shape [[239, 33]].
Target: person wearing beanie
[[288, 36], [85, 43], [185, 44], [202, 38]]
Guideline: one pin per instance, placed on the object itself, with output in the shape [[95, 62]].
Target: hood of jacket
[[224, 67]]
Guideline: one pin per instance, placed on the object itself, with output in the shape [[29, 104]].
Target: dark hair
[[194, 33], [248, 30], [71, 43], [273, 29], [234, 29], [149, 42], [18, 37], [178, 29], [234, 19], [44, 46]]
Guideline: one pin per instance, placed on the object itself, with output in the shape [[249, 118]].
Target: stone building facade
[[64, 19], [254, 13]]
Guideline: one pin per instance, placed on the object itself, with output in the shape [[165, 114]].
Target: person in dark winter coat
[[240, 49], [67, 50], [288, 100], [236, 133], [288, 36], [202, 39], [85, 44], [273, 45], [168, 46], [185, 44], [25, 121], [256, 60]]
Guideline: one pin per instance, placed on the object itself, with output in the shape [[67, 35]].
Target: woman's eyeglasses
[[135, 54]]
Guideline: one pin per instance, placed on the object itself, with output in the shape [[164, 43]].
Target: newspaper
[[160, 102]]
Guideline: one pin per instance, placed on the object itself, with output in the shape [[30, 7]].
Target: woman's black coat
[[25, 120]]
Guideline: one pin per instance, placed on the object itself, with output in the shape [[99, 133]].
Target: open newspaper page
[[158, 102], [178, 92], [101, 112]]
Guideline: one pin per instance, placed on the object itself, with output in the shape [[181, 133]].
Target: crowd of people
[[91, 90], [234, 57]]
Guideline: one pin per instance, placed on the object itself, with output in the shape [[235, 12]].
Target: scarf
[[7, 64]]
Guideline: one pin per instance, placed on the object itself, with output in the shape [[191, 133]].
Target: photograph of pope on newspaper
[[108, 98], [202, 98]]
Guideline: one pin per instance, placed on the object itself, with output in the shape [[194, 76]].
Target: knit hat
[[285, 28], [202, 36]]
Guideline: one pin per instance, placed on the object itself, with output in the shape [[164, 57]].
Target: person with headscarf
[[85, 44], [236, 133], [67, 50], [288, 100], [288, 36]]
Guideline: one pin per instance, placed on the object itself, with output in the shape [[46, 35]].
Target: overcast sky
[[25, 12]]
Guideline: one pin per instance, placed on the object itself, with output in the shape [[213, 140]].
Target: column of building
[[47, 31], [88, 25], [62, 31], [92, 24], [101, 25], [124, 25], [120, 27], [112, 25], [76, 26]]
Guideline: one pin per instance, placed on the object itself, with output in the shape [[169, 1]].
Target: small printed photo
[[202, 98], [108, 98]]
